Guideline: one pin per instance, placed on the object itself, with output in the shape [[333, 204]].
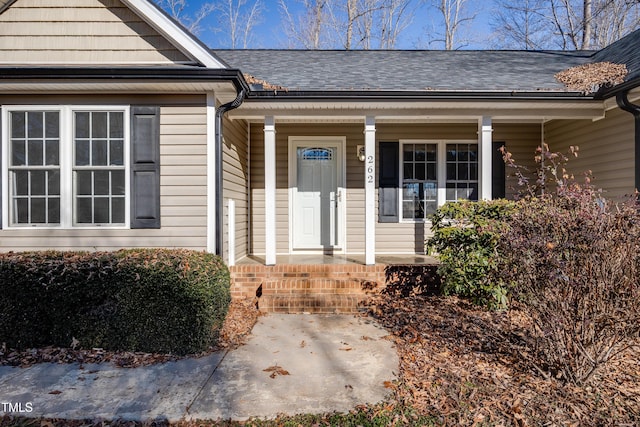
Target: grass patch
[[365, 416]]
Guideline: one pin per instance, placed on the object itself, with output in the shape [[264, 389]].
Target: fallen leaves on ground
[[276, 370], [469, 366], [242, 315], [123, 359], [17, 421], [240, 319]]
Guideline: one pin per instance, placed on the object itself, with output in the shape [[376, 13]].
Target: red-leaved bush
[[572, 259]]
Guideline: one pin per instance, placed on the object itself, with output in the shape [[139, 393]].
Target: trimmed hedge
[[152, 300]]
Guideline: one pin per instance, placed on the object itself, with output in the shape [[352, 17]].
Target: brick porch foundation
[[321, 288], [313, 288]]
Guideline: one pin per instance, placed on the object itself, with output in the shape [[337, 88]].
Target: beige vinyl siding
[[183, 185], [606, 147], [521, 141], [80, 31], [236, 182], [183, 175]]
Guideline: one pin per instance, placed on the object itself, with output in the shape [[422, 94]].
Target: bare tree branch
[[396, 18], [192, 22], [520, 25], [237, 19], [307, 29], [454, 15]]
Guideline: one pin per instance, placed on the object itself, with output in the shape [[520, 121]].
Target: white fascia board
[[434, 110], [168, 28]]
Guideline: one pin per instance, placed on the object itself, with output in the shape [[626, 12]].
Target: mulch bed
[[242, 316], [472, 367]]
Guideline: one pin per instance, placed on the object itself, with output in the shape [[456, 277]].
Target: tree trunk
[[317, 24], [351, 17], [587, 25]]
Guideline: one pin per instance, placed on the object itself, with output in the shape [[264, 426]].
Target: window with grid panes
[[419, 180], [34, 167], [462, 172], [434, 172], [99, 170], [53, 185]]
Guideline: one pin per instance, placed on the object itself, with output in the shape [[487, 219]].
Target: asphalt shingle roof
[[624, 51], [375, 70], [425, 70]]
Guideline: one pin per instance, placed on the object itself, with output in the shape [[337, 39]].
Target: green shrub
[[465, 237], [169, 301]]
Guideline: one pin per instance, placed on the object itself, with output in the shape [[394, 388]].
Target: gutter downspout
[[624, 103], [218, 166]]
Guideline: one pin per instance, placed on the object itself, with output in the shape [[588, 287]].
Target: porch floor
[[320, 259]]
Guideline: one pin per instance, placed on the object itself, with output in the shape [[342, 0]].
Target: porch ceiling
[[421, 111]]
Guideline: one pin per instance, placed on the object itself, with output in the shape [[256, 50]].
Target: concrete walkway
[[291, 364]]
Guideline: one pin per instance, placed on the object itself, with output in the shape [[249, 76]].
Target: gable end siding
[[81, 32]]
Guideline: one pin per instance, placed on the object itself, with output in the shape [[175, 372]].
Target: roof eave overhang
[[119, 79], [423, 106]]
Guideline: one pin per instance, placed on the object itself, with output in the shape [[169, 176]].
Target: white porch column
[[211, 172], [270, 190], [370, 190], [485, 142]]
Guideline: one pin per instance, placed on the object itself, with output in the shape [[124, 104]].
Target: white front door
[[316, 195]]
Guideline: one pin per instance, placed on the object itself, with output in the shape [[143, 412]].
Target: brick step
[[312, 285], [253, 280], [310, 303], [297, 294]]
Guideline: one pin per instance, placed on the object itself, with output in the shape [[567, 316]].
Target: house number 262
[[370, 169]]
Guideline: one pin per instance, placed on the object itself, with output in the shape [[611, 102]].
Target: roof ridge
[[605, 51]]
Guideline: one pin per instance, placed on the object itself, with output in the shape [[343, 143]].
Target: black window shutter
[[388, 178], [498, 173], [1, 195], [145, 167]]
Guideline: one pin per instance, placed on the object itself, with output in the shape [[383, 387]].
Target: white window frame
[[441, 171], [67, 192]]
